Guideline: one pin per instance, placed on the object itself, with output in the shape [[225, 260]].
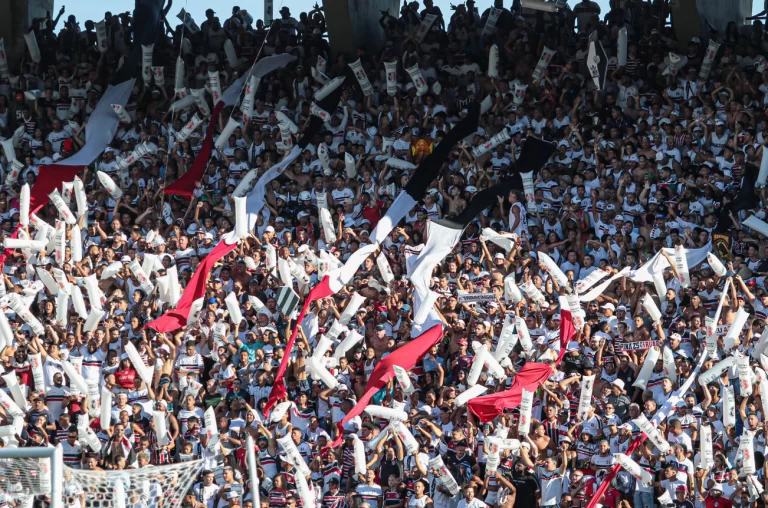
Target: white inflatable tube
[[138, 364], [76, 244], [647, 368], [352, 338], [756, 224], [202, 105], [62, 207], [111, 270], [246, 107], [13, 385], [477, 366], [543, 63], [189, 128], [410, 443], [349, 165], [80, 197], [650, 307], [386, 413], [223, 139], [359, 448], [317, 371], [174, 289], [24, 205], [233, 307], [75, 379], [94, 318], [101, 36], [121, 113], [279, 410], [105, 412], [77, 302], [621, 48], [182, 103], [469, 394], [231, 54], [62, 305], [493, 62], [551, 267], [241, 217], [716, 264]]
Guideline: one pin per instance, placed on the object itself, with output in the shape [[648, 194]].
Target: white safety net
[[148, 487]]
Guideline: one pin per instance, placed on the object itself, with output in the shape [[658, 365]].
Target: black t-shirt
[[461, 466], [526, 486]]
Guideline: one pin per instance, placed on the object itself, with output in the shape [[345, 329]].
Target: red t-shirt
[[720, 502], [124, 378], [373, 214]]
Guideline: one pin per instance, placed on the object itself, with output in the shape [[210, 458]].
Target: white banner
[[681, 262], [707, 454], [585, 400], [391, 70], [709, 58], [477, 297], [747, 452], [418, 79], [362, 78], [543, 63], [426, 24], [745, 376], [526, 409], [729, 406]]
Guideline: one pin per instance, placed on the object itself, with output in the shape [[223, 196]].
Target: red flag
[[488, 407], [567, 331], [406, 357], [177, 318], [322, 290], [49, 178], [185, 184]]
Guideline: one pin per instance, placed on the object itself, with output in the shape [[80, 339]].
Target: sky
[[85, 10]]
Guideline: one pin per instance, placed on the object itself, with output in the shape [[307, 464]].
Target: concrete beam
[[354, 23]]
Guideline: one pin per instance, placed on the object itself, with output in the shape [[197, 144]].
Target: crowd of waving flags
[[441, 238]]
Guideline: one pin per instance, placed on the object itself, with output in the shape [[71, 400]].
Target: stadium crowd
[[664, 154]]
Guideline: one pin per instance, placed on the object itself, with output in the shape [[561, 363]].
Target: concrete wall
[[720, 12], [38, 8], [14, 21], [355, 23]]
